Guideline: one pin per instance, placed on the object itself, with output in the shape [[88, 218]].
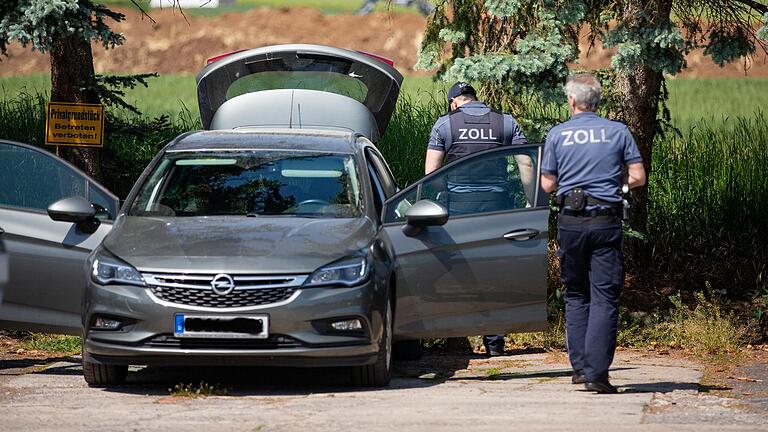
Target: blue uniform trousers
[[592, 269]]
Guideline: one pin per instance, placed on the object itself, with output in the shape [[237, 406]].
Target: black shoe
[[493, 351], [578, 378], [603, 387]]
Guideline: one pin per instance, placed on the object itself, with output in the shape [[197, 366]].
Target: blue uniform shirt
[[440, 137], [589, 152]]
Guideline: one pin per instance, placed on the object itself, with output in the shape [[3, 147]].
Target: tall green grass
[[708, 213], [404, 145]]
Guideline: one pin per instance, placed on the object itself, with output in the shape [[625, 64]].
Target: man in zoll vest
[[470, 127]]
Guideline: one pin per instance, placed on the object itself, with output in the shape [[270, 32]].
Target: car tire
[[408, 350], [101, 375], [378, 374]]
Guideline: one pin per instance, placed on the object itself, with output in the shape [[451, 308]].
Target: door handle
[[521, 234]]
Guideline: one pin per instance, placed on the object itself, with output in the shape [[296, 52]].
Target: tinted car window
[[247, 183], [500, 180], [327, 80], [378, 192], [387, 182], [33, 179]]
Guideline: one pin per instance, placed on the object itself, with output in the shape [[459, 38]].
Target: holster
[[578, 200]]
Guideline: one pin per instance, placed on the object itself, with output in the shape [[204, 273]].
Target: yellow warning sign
[[74, 124]]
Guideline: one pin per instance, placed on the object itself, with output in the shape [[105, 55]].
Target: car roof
[[332, 141]]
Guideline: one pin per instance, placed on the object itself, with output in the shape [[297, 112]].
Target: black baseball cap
[[460, 88]]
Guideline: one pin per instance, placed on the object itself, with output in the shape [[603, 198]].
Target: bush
[[130, 143]]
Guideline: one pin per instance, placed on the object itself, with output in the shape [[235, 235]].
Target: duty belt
[[592, 212], [604, 208]]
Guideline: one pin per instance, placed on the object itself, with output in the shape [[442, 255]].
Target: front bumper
[[296, 336]]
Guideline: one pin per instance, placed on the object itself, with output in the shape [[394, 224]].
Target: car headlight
[[107, 269], [348, 272]]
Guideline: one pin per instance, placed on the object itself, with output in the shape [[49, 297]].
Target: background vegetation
[[325, 6], [708, 218]]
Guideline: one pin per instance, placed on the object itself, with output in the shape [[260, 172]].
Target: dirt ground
[[174, 45]]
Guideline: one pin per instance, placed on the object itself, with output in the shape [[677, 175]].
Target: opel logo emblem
[[223, 284]]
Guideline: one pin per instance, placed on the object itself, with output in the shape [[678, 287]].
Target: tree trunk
[[638, 105], [71, 71]]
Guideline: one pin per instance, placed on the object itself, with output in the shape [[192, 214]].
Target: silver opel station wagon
[[278, 235]]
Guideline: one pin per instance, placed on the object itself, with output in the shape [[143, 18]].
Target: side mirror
[[75, 209], [424, 213]]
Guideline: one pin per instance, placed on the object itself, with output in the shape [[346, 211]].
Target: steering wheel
[[313, 201]]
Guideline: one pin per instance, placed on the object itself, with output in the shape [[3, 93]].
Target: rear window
[[328, 81], [309, 72], [251, 184]]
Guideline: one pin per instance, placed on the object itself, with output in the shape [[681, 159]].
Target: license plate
[[221, 326]]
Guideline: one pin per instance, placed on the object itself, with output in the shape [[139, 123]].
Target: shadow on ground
[[23, 366], [253, 381], [432, 370]]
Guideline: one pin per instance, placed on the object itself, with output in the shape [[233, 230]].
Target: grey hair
[[585, 91]]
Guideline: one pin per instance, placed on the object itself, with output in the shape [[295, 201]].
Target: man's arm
[[635, 175], [512, 131], [434, 160], [436, 145], [548, 182]]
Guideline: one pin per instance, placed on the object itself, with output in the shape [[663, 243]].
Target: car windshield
[[251, 183]]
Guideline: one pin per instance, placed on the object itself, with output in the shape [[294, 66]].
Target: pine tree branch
[[143, 12], [763, 9]]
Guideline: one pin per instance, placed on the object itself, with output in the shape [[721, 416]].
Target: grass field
[[691, 100], [326, 6]]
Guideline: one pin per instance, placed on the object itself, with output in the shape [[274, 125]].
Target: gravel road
[[528, 392]]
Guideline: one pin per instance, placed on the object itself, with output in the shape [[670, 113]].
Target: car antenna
[[290, 119], [299, 113]]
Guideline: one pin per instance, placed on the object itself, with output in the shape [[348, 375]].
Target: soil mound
[[175, 45]]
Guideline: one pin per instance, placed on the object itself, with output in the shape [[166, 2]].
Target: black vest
[[471, 134]]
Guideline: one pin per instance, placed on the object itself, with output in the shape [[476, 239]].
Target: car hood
[[270, 245]]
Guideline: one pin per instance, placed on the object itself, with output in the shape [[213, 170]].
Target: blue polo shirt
[[589, 152]]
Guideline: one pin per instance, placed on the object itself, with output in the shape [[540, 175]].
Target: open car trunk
[[299, 86]]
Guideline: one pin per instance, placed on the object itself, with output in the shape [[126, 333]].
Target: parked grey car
[[279, 235]]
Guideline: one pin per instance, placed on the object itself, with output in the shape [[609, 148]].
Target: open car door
[[484, 270], [299, 86], [46, 257]]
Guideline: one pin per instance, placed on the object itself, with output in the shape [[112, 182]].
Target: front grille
[[196, 290], [207, 298], [169, 341]]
